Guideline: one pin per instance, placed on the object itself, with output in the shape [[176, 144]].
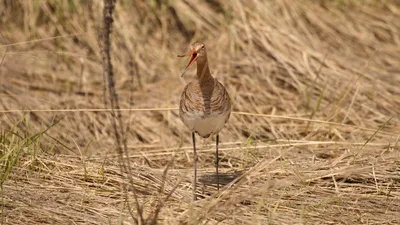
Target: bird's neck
[[203, 72]]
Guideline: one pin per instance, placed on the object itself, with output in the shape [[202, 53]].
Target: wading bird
[[205, 105]]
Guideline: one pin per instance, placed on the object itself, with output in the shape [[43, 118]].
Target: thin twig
[[40, 40], [117, 124], [170, 109]]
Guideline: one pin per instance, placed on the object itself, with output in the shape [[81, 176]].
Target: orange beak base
[[193, 58]]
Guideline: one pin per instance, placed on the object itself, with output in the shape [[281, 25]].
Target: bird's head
[[197, 53]]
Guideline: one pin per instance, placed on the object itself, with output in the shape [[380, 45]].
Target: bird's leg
[[194, 166], [216, 161]]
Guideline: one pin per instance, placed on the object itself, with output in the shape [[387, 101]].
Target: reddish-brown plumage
[[205, 105], [204, 100]]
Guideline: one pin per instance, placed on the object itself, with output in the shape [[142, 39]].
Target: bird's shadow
[[224, 178]]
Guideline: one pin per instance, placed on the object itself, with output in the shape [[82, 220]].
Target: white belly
[[205, 126]]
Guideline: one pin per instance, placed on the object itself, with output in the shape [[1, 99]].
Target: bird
[[205, 105]]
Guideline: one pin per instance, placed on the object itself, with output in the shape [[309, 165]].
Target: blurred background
[[329, 60]]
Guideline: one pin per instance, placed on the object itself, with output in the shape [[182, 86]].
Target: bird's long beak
[[193, 58]]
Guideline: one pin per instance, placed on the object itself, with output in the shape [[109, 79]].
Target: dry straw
[[313, 140]]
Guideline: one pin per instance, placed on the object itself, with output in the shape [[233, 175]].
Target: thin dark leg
[[194, 166], [216, 161]]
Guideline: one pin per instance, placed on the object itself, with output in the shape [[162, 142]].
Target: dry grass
[[315, 85]]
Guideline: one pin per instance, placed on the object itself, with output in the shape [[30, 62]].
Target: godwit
[[205, 105]]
